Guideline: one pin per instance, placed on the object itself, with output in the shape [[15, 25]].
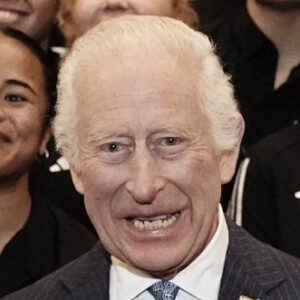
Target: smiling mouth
[[157, 222], [10, 16]]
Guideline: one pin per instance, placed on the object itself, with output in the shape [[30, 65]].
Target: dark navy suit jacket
[[252, 269]]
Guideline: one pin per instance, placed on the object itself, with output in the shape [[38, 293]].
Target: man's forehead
[[140, 116], [109, 106], [147, 95], [142, 77]]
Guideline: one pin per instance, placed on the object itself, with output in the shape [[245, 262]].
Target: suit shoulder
[[266, 265], [62, 283], [70, 233]]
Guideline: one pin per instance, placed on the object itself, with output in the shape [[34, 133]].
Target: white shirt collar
[[201, 278]]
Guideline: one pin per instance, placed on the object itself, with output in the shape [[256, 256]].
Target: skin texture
[[22, 109], [88, 13], [146, 151], [33, 17]]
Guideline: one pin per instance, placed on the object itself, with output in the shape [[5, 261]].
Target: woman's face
[[88, 13], [23, 106], [33, 17]]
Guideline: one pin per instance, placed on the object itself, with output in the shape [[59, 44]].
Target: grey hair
[[155, 35]]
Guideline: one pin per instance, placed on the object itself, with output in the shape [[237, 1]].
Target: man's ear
[[77, 180], [228, 158]]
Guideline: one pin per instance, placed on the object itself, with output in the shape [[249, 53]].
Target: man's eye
[[15, 98], [170, 141], [170, 147], [113, 147], [114, 152]]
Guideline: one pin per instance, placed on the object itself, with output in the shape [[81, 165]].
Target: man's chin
[[161, 270], [162, 263]]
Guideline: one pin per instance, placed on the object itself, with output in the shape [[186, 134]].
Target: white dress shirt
[[199, 280]]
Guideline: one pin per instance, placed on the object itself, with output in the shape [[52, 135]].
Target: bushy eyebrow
[[19, 83], [94, 138]]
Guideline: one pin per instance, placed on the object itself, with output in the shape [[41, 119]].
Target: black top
[[57, 188], [271, 205], [251, 58], [56, 40], [209, 10], [49, 240]]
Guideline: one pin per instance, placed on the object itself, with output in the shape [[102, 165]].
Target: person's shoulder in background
[[266, 197], [210, 11]]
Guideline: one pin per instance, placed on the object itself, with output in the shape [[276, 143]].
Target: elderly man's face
[[150, 175], [88, 13]]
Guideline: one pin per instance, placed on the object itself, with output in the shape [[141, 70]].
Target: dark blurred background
[[209, 10]]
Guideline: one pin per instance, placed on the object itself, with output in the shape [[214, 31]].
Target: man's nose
[[145, 178]]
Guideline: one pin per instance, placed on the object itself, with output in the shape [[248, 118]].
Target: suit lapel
[[250, 268], [90, 280]]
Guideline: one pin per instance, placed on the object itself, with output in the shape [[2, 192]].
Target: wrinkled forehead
[[144, 94], [136, 75]]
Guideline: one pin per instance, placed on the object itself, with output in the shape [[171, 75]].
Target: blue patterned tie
[[163, 290]]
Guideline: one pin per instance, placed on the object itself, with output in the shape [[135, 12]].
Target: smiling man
[[148, 122]]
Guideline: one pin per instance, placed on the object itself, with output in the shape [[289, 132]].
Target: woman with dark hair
[[35, 238]]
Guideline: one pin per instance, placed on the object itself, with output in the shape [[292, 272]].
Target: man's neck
[[283, 29], [15, 206]]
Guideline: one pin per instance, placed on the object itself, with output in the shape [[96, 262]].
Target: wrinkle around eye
[[171, 141], [167, 150], [116, 155]]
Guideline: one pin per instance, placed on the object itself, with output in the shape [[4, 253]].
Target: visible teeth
[[155, 218], [148, 224], [155, 222], [8, 15], [138, 224], [165, 223]]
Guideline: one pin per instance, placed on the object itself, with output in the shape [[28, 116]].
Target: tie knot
[[163, 290]]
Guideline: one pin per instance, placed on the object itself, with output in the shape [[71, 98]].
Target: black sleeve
[[259, 209]]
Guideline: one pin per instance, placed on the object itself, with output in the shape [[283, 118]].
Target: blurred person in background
[[259, 46], [35, 18], [266, 198], [78, 16], [35, 238]]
